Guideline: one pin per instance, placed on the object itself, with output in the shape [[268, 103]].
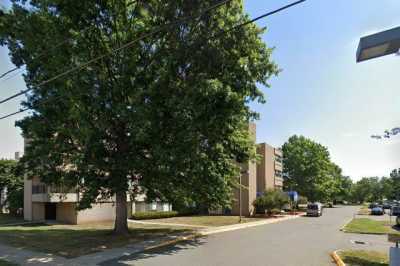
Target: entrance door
[[50, 211]]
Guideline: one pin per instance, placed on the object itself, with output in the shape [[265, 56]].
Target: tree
[[12, 182], [309, 170], [167, 116], [271, 199], [395, 181], [367, 189], [345, 185], [387, 188]]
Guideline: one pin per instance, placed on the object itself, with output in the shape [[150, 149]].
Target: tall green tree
[[367, 189], [167, 116], [12, 182], [345, 188], [309, 169], [395, 181]]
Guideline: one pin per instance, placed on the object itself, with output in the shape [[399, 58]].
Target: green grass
[[364, 258], [364, 210], [76, 240], [206, 220], [369, 226], [9, 219], [6, 263]]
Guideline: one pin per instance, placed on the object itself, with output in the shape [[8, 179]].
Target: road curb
[[344, 226], [172, 242], [337, 258]]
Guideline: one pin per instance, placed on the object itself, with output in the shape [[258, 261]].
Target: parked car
[[314, 209], [395, 211], [373, 205], [377, 211], [387, 205], [329, 205]]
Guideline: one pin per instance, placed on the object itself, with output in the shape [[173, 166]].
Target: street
[[306, 241]]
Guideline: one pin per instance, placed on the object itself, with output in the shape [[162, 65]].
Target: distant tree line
[[309, 171], [374, 189]]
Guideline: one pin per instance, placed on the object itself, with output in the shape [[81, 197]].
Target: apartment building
[[243, 197], [45, 202], [269, 169], [258, 177]]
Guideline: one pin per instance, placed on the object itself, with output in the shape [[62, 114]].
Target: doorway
[[50, 211]]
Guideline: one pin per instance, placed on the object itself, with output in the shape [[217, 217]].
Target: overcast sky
[[321, 93]]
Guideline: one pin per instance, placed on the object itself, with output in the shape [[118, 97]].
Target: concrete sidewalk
[[208, 230], [233, 227]]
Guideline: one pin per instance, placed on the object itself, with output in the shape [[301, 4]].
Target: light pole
[[240, 197], [242, 172]]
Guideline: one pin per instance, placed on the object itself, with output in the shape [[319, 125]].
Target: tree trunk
[[121, 214]]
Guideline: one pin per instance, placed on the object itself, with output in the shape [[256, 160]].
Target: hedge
[[153, 215]]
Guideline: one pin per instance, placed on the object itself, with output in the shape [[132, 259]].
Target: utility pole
[[240, 195]]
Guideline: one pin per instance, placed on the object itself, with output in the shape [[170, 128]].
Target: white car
[[314, 209]]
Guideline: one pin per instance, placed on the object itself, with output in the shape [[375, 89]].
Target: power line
[[124, 46], [73, 69], [44, 53]]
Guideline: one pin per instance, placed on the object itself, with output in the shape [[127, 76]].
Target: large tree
[[11, 181], [167, 115], [309, 170]]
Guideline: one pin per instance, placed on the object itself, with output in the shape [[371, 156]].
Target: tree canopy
[[167, 116], [310, 171], [11, 181]]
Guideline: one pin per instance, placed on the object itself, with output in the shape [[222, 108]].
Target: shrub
[[153, 215], [270, 200], [302, 200]]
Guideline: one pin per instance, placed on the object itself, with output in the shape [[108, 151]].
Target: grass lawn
[[364, 210], [206, 220], [364, 258], [6, 263], [368, 226], [9, 219], [76, 240]]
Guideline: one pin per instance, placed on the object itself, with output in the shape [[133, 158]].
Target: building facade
[[58, 203], [44, 202], [258, 177], [269, 169]]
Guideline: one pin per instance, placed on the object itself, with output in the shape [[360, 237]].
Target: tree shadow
[[169, 250], [71, 243]]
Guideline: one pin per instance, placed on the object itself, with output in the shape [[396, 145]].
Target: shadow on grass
[[396, 228], [169, 250], [71, 243]]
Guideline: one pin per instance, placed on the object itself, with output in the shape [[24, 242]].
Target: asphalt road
[[306, 241]]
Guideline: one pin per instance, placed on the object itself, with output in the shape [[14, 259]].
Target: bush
[[302, 200], [270, 200], [153, 215]]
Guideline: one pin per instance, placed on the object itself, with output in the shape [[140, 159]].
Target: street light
[[242, 172], [379, 44]]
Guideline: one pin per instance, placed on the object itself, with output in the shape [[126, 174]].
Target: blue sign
[[293, 195]]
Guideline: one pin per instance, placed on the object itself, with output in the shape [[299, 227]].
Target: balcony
[[44, 193], [278, 182]]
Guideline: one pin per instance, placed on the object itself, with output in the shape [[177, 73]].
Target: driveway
[[304, 241]]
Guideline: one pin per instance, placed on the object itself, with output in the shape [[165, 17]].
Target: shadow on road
[[167, 250]]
